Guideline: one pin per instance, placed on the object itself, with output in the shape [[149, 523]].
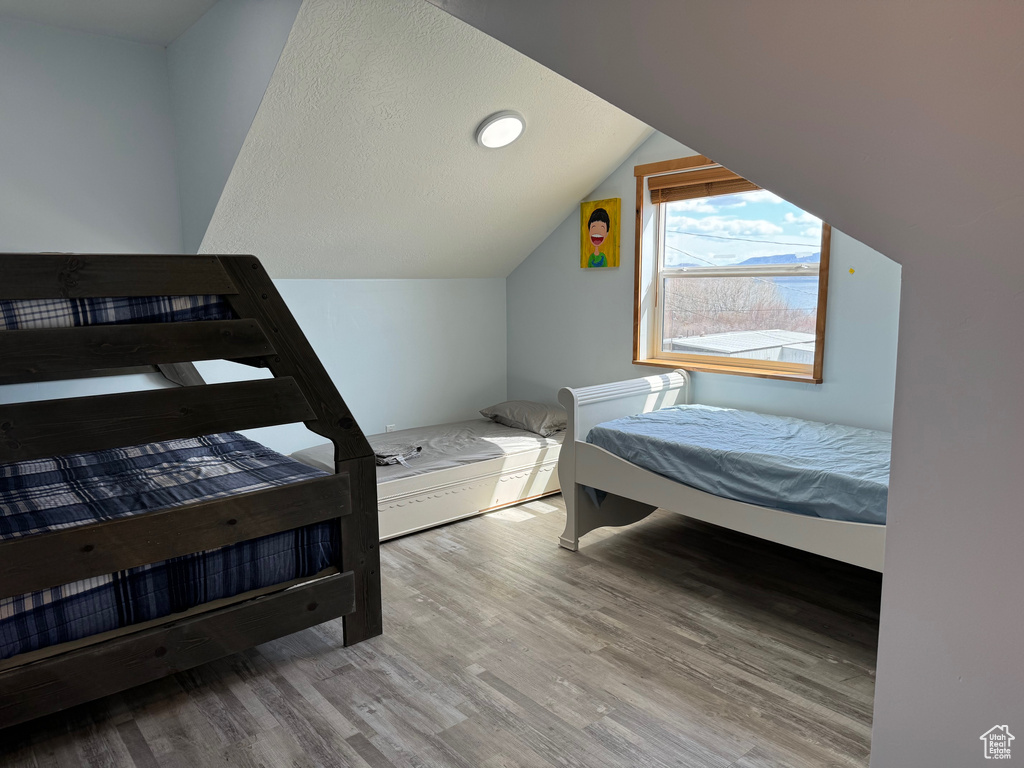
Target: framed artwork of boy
[[599, 233]]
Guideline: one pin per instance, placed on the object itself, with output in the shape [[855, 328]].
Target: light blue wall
[[403, 352], [104, 385], [86, 158], [573, 327], [860, 350], [86, 143], [219, 71]]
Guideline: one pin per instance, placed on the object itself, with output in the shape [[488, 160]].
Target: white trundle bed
[[466, 468], [631, 492]]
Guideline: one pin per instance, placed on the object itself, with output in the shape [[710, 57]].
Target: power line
[[692, 256], [756, 279], [714, 318], [708, 308], [723, 237]]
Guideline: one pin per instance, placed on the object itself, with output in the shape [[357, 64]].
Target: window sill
[[735, 370]]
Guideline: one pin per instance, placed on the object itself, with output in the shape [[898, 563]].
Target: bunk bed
[[604, 484], [139, 534]]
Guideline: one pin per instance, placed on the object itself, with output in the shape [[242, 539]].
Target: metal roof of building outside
[[744, 341]]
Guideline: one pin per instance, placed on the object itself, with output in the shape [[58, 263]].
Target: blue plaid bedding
[[20, 314], [62, 492]]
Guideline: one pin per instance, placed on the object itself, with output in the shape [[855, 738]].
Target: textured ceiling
[[361, 161], [145, 21]]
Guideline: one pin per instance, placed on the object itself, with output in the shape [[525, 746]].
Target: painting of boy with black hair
[[599, 233]]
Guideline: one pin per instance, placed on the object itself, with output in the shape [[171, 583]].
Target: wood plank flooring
[[668, 643]]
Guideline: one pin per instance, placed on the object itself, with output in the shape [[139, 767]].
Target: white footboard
[[588, 406]]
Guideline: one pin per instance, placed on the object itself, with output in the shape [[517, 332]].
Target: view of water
[[799, 292]]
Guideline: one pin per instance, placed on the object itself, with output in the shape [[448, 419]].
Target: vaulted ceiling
[[361, 161]]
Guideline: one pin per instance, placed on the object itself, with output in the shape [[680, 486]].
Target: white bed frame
[[418, 502], [634, 492]]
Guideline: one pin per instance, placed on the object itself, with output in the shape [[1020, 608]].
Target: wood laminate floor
[[668, 643]]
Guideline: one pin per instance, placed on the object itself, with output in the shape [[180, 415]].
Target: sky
[[731, 228]]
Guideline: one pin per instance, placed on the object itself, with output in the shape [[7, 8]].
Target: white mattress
[[445, 446], [466, 468]]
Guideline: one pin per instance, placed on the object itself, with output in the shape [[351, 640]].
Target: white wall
[[573, 327], [219, 70], [403, 352], [86, 143], [900, 124]]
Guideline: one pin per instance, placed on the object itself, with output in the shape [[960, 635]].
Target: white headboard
[[588, 406]]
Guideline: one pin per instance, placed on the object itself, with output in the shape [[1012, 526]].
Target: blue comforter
[[23, 314], [823, 470], [78, 489]]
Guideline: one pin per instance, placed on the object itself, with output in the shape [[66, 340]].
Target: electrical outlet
[[389, 427]]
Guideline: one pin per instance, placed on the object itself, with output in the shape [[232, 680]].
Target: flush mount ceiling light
[[500, 129]]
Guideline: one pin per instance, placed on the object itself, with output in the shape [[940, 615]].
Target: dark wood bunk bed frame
[[264, 334]]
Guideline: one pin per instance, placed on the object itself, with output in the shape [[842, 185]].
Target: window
[[730, 278]]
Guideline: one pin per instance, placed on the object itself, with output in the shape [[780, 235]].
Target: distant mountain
[[783, 258]]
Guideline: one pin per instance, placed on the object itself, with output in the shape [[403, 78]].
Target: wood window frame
[[701, 176]]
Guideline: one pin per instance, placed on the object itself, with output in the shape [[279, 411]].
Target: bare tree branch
[[701, 306]]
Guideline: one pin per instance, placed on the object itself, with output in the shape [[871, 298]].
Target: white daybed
[[634, 492], [466, 468]]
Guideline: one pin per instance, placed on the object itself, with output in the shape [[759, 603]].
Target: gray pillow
[[533, 417]]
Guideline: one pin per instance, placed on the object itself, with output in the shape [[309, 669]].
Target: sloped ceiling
[[362, 163], [144, 21]]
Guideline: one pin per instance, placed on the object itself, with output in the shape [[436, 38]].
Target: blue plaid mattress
[[62, 492], [20, 314]]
